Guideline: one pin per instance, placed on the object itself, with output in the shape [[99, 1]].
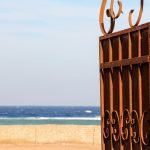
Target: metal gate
[[125, 87]]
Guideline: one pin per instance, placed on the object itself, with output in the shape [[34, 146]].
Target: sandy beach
[[50, 147], [50, 137]]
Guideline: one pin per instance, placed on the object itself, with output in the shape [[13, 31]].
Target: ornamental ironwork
[[115, 15], [125, 87]]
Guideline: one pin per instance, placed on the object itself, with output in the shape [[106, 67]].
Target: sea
[[37, 115]]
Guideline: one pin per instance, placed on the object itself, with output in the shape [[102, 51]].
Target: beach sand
[[50, 147], [50, 137], [50, 134]]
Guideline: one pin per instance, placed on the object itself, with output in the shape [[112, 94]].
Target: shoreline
[[57, 121]]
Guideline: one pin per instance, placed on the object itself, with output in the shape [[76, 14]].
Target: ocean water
[[35, 115]]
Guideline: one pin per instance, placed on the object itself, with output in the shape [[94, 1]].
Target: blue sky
[[49, 51]]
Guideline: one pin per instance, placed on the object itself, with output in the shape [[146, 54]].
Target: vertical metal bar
[[127, 91], [107, 94], [107, 106], [130, 89], [111, 87], [140, 86], [101, 52], [120, 91], [117, 88], [102, 108], [101, 94], [136, 92]]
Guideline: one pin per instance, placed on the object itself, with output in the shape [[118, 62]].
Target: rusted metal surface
[[125, 89], [111, 14]]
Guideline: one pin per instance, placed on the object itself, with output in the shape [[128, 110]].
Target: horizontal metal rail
[[126, 62]]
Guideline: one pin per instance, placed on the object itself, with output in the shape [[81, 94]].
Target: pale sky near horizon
[[49, 50]]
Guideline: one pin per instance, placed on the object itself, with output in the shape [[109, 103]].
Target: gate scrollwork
[[145, 128], [140, 128], [135, 125], [106, 124], [125, 125], [111, 14], [139, 17], [115, 126]]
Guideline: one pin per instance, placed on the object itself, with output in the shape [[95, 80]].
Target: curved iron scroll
[[145, 128], [135, 124], [106, 124], [115, 126], [111, 14], [120, 125], [125, 125], [139, 17]]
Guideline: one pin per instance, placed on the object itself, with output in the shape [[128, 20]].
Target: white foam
[[88, 111], [52, 118]]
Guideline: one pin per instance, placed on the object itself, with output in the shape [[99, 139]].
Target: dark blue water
[[31, 115]]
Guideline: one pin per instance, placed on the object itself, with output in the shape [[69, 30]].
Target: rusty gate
[[125, 85]]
